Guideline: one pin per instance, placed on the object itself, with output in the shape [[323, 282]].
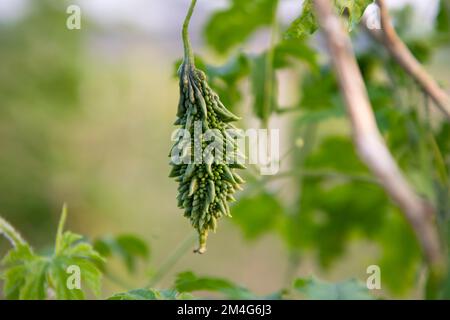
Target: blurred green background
[[86, 117]]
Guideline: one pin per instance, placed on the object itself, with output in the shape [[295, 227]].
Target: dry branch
[[368, 140], [400, 52]]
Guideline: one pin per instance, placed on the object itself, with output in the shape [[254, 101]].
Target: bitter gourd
[[206, 184]]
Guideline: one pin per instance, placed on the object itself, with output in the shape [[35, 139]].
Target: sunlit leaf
[[352, 10], [305, 24]]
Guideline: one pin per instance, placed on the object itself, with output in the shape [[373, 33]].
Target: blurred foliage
[[189, 282], [336, 200], [320, 290], [234, 25], [29, 276], [269, 211], [129, 248], [151, 294], [309, 288], [306, 23], [339, 201], [39, 81]]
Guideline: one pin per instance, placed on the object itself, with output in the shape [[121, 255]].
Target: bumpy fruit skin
[[206, 186]]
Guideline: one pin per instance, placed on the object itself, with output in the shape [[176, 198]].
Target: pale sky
[[160, 15]]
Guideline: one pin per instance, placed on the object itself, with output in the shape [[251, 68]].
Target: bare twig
[[368, 141], [400, 52]]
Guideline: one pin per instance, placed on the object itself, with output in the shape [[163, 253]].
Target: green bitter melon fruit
[[206, 186]]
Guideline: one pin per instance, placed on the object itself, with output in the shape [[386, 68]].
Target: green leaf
[[29, 276], [400, 254], [234, 69], [443, 18], [320, 91], [35, 285], [316, 289], [304, 25], [58, 276], [330, 216], [127, 247], [225, 79], [336, 153], [235, 24], [295, 50], [353, 10], [18, 254], [14, 279], [268, 209], [151, 294], [189, 282]]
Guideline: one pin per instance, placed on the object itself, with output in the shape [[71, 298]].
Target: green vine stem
[[11, 234], [268, 85], [59, 233], [188, 52], [173, 258]]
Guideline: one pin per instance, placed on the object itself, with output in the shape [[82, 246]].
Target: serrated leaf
[[30, 276], [14, 280], [304, 25], [58, 276], [35, 285], [316, 289], [18, 254], [68, 240], [353, 10]]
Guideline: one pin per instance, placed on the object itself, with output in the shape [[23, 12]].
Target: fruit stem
[[188, 53], [202, 236]]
